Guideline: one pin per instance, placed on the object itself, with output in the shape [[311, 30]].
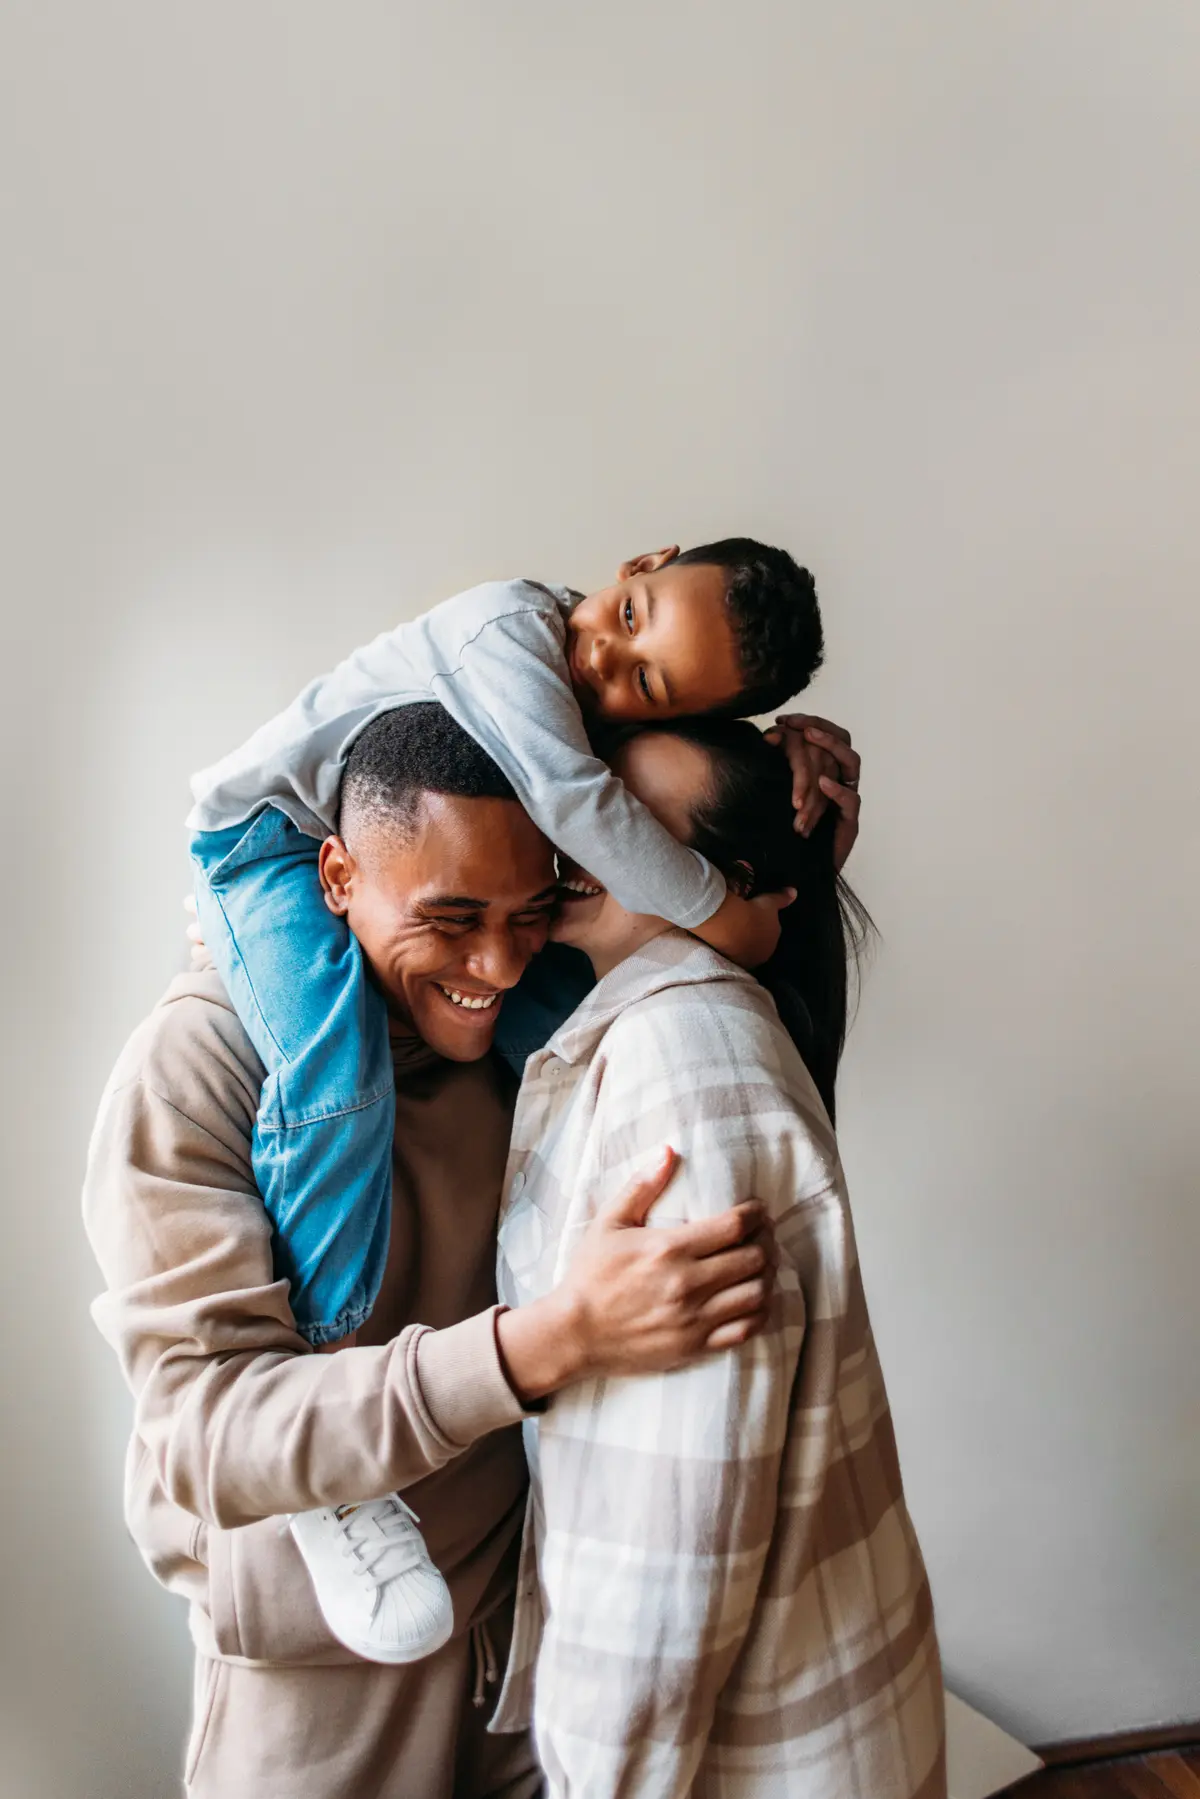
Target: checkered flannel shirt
[[721, 1593]]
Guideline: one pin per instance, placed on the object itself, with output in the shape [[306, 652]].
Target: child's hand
[[764, 929], [825, 768], [747, 930], [200, 957]]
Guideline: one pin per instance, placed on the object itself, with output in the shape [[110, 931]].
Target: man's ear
[[646, 565], [337, 869]]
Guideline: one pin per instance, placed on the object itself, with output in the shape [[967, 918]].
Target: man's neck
[[408, 1050]]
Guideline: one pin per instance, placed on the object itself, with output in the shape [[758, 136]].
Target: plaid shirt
[[721, 1595]]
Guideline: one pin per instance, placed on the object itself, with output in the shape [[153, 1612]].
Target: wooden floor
[[1174, 1775]]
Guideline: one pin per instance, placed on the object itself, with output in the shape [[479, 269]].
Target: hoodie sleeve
[[242, 1420]]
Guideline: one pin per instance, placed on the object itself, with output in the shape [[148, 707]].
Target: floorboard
[[1175, 1775]]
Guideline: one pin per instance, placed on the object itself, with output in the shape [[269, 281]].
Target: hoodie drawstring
[[484, 1657]]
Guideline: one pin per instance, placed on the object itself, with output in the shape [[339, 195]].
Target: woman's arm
[[659, 1494]]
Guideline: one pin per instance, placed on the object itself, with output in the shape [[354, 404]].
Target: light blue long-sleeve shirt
[[495, 658]]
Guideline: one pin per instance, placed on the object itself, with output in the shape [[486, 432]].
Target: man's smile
[[467, 1001]]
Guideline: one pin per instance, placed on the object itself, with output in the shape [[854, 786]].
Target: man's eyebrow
[[547, 893]]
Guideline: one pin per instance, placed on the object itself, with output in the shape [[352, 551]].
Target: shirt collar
[[673, 960]]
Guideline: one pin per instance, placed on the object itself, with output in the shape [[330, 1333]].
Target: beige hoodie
[[236, 1420]]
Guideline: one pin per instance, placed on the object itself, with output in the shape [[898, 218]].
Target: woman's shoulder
[[711, 1064], [723, 1021]]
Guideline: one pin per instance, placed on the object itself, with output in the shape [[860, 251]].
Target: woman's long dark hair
[[745, 827]]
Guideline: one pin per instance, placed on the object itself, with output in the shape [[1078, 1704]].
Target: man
[[448, 885]]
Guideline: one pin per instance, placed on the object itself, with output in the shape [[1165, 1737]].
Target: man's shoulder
[[192, 1051]]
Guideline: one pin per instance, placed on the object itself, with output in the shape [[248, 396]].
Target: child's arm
[[746, 930], [509, 694], [494, 658], [510, 691]]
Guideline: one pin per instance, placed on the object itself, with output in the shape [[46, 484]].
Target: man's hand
[[825, 769], [638, 1301]]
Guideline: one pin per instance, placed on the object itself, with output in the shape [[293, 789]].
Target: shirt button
[[518, 1183]]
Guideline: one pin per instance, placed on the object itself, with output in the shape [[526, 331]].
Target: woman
[[729, 1597]]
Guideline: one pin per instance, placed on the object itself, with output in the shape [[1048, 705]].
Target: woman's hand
[[825, 768], [638, 1301]]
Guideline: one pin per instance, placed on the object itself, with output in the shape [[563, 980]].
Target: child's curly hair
[[776, 620]]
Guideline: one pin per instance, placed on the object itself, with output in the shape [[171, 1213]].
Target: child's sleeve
[[510, 691]]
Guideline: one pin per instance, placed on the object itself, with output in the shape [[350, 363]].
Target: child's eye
[[628, 615], [644, 684]]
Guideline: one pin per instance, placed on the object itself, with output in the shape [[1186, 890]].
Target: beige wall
[[316, 313]]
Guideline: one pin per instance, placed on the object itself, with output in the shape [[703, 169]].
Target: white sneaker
[[380, 1593]]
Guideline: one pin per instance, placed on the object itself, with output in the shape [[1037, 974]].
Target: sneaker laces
[[380, 1538]]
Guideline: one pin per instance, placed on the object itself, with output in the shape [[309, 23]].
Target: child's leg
[[322, 1147], [322, 1156], [543, 999]]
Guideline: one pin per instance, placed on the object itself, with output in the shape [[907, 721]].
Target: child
[[732, 628]]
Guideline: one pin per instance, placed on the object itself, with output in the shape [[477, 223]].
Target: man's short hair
[[776, 621], [404, 754]]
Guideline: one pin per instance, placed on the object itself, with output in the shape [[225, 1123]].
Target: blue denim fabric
[[322, 1144], [544, 998]]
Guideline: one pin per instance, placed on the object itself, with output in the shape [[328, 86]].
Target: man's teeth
[[473, 1002], [582, 887]]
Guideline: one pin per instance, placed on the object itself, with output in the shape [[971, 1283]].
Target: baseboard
[[1082, 1750], [980, 1758]]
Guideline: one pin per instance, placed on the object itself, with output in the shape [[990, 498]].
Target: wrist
[[726, 930], [541, 1346]]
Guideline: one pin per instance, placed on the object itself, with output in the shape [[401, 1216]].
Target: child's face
[[656, 645]]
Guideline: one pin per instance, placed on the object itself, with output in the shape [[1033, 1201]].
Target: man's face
[[658, 644], [448, 913]]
